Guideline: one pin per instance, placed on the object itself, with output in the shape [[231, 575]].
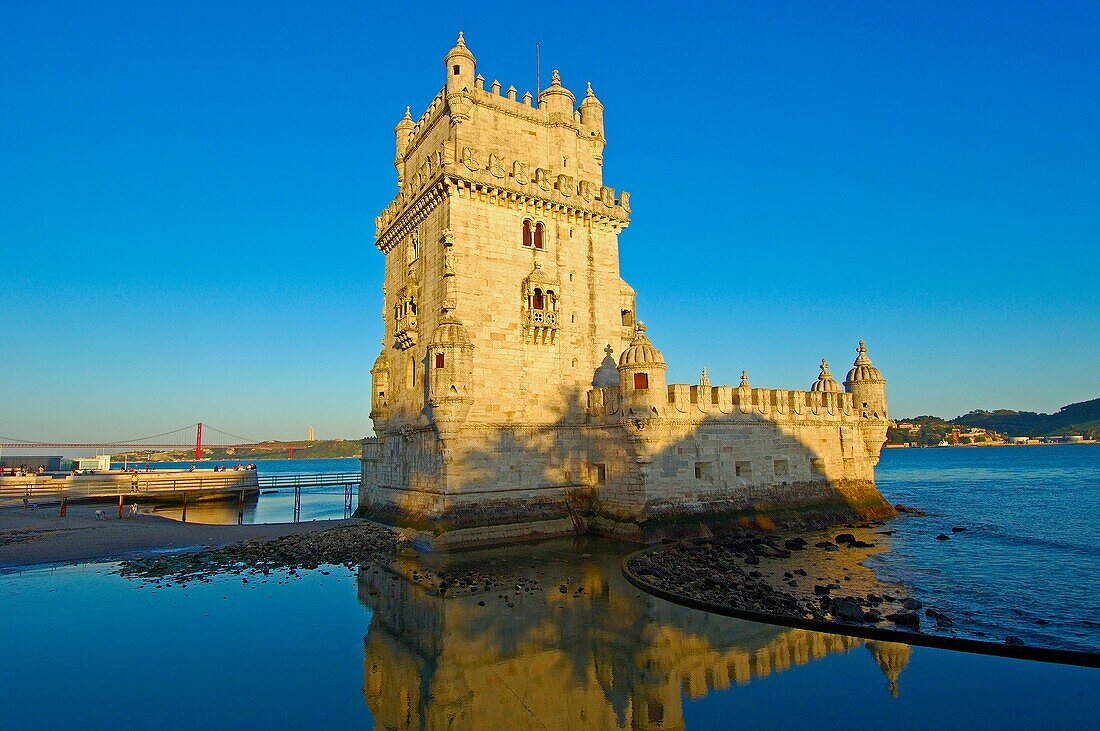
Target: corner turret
[[557, 100], [592, 113], [461, 66], [867, 386], [401, 134], [868, 389], [642, 375], [380, 381], [448, 365]]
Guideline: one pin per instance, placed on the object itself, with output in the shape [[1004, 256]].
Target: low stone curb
[[960, 644]]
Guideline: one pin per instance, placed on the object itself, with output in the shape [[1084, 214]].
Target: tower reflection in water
[[609, 656]]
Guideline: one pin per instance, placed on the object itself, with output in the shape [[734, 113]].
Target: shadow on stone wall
[[573, 646], [690, 485]]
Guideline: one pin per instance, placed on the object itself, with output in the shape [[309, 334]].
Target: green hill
[[320, 449], [1081, 418]]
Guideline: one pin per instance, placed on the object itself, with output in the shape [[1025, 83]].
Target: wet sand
[[29, 537]]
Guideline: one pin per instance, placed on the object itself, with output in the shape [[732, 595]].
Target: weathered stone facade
[[500, 408]]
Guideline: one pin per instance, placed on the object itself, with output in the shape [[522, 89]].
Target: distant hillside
[[1080, 418], [320, 449]]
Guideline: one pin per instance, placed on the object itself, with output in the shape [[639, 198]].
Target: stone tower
[[502, 289], [517, 395]]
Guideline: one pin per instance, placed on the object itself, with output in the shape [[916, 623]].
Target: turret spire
[[744, 380], [704, 379], [862, 358]]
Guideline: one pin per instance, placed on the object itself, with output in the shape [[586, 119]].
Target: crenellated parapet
[[507, 182], [443, 145], [684, 400]]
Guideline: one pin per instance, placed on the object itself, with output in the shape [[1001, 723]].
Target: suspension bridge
[[170, 440], [168, 485]]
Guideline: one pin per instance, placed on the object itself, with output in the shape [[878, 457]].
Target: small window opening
[[817, 465], [527, 232], [439, 360], [457, 69], [655, 712], [628, 318], [781, 468], [600, 473], [743, 468], [539, 230], [641, 381], [703, 470], [537, 301]]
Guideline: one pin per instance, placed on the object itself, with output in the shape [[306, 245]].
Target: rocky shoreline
[[346, 545], [819, 577]]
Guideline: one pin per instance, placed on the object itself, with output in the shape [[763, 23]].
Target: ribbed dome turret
[[641, 351], [825, 382], [862, 370], [450, 331]]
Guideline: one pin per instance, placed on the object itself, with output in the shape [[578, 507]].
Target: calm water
[[1030, 550], [273, 507], [364, 649]]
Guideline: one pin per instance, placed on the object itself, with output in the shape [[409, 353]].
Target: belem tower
[[518, 396]]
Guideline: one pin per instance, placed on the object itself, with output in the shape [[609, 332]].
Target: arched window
[[539, 229], [527, 232], [537, 300], [551, 300]]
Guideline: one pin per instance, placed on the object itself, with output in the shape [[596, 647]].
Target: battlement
[[697, 401], [504, 181]]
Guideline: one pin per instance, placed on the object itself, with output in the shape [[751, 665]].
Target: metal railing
[[54, 490]]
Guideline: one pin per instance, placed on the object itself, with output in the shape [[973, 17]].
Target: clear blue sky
[[187, 194]]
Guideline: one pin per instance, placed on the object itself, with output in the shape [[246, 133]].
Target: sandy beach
[[29, 537]]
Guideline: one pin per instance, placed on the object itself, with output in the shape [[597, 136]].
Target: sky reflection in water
[[86, 648]]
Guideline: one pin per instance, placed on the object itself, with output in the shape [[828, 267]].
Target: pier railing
[[43, 490]]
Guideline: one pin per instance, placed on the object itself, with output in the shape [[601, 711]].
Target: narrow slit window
[[457, 70], [539, 231], [439, 360]]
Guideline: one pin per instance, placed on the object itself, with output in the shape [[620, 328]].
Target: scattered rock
[[794, 544], [821, 590], [911, 604], [905, 619], [942, 537], [847, 610], [1014, 641], [845, 538], [957, 529]]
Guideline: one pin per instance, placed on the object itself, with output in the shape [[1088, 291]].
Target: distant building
[[50, 463], [98, 462], [309, 435]]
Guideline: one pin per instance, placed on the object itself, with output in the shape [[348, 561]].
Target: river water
[[572, 645], [1028, 554]]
